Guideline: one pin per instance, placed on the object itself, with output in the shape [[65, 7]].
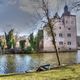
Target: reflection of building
[[65, 32]]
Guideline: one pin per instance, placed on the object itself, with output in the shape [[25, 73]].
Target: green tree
[[39, 40], [22, 44], [33, 42], [10, 41]]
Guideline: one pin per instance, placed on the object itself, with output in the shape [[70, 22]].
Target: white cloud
[[28, 5], [21, 13], [12, 2]]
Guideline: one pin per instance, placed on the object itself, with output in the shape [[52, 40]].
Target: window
[[60, 35], [69, 43], [69, 28], [59, 27], [69, 48], [68, 35], [58, 48], [61, 43]]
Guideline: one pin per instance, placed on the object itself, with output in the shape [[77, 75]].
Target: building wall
[[65, 34], [58, 29], [27, 44], [47, 43], [70, 28]]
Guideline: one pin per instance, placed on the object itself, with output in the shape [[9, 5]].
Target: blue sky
[[19, 14]]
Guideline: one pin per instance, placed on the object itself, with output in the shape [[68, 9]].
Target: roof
[[66, 11], [56, 16]]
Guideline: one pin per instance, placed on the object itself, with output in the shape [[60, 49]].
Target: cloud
[[21, 14], [19, 20], [28, 5], [12, 2]]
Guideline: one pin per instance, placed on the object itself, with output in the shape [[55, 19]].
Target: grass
[[64, 73]]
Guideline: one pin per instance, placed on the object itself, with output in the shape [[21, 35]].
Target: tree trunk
[[46, 11], [53, 40]]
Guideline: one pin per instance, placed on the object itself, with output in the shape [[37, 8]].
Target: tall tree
[[50, 24], [33, 42], [10, 41], [22, 44]]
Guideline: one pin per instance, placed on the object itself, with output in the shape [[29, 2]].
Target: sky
[[22, 14]]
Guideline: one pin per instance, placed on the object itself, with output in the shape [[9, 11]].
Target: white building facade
[[65, 33], [27, 44]]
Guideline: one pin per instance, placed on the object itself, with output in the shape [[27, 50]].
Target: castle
[[65, 33]]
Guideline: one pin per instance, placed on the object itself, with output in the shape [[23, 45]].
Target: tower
[[65, 33], [69, 22], [66, 11]]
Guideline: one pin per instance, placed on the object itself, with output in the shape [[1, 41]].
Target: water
[[21, 63]]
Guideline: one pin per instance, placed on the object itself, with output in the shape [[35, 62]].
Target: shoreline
[[69, 72], [23, 52]]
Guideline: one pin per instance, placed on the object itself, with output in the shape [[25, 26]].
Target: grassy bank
[[63, 73]]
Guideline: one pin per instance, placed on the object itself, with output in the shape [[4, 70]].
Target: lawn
[[64, 73]]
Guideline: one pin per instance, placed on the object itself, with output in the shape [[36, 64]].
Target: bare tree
[[74, 5], [50, 25]]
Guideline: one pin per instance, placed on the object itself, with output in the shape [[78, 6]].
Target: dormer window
[[59, 27]]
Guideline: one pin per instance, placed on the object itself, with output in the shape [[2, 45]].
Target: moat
[[20, 63]]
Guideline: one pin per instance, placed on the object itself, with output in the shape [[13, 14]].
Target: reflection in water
[[2, 64], [10, 64], [78, 57], [21, 63]]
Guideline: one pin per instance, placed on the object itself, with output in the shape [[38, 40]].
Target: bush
[[28, 50]]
